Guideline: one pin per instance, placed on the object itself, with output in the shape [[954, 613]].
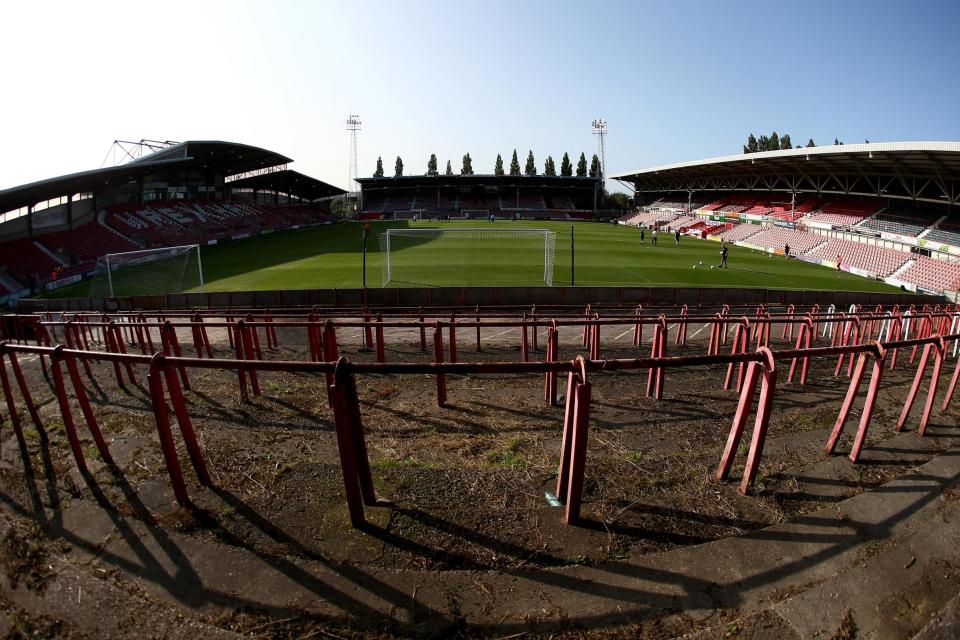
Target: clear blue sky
[[677, 80]]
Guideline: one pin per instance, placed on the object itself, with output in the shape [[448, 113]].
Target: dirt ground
[[467, 481]]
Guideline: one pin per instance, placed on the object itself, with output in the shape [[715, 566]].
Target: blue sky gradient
[[676, 81]]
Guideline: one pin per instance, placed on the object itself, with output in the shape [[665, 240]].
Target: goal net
[[148, 272], [467, 257]]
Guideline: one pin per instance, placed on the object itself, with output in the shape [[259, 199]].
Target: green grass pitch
[[606, 255]]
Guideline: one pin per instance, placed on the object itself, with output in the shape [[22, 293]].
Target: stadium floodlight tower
[[353, 127], [600, 130]]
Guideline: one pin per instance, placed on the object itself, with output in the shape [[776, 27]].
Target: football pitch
[[605, 255]]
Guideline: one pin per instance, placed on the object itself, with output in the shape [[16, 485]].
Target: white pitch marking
[[497, 335], [623, 334], [698, 332]]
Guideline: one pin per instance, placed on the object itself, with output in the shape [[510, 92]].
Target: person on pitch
[[676, 236], [723, 257], [653, 237], [643, 232]]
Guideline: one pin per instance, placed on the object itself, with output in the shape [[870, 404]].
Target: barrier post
[[367, 331], [331, 352], [183, 421], [381, 357], [638, 327], [423, 333], [747, 392], [438, 358], [566, 439], [533, 316], [167, 447], [578, 448], [939, 349], [453, 338], [340, 400], [761, 425], [524, 349], [877, 357], [236, 332], [477, 313], [87, 410], [24, 389], [586, 326], [595, 338], [248, 338], [65, 411], [8, 395], [550, 382], [168, 335], [915, 388]]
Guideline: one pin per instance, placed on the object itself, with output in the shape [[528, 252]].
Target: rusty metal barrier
[[167, 379]]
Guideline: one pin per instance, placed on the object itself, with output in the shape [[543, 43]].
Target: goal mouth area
[[160, 270], [468, 256]]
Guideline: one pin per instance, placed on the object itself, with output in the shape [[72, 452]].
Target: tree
[[837, 142], [774, 143], [530, 168], [566, 169], [467, 169], [398, 168], [514, 164], [763, 143], [785, 141], [498, 167], [751, 146], [432, 165], [810, 143], [617, 200], [379, 171], [582, 165], [549, 168], [449, 171], [595, 167], [338, 207]]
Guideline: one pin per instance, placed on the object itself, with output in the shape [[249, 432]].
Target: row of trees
[[773, 142], [530, 169]]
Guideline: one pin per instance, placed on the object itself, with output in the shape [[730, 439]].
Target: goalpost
[[148, 272], [467, 257]]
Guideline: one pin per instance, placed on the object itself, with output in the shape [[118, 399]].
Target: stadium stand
[[179, 223], [935, 275], [902, 221], [650, 218], [775, 238], [844, 213], [740, 232], [682, 222], [86, 242], [562, 202], [881, 261], [945, 232], [528, 201], [24, 258]]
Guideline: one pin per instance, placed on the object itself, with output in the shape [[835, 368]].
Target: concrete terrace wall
[[482, 296]]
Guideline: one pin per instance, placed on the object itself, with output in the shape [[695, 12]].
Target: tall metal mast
[[600, 130], [353, 127]]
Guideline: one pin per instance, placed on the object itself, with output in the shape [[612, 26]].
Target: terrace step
[[51, 254], [117, 233]]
